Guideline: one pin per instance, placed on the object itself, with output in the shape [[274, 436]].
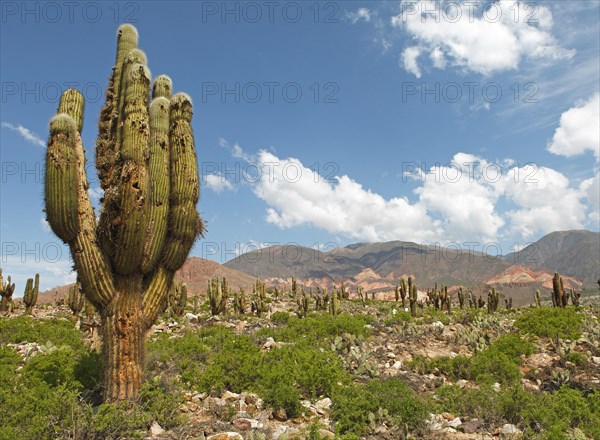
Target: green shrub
[[352, 405], [280, 317], [551, 322], [576, 358], [316, 328], [24, 329]]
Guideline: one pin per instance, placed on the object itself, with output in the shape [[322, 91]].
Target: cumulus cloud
[[359, 14], [470, 198], [410, 60], [25, 133], [545, 201], [579, 130], [494, 39], [217, 182]]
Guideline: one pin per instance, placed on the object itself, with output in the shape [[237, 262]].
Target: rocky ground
[[389, 349]]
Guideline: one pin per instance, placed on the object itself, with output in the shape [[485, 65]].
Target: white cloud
[[495, 39], [359, 14], [25, 133], [53, 272], [591, 189], [217, 183], [409, 60], [469, 199], [579, 130], [297, 195], [545, 201]]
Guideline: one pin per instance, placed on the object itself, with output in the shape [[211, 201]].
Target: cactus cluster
[[147, 167], [258, 304], [6, 291], [239, 302], [31, 293], [335, 302], [303, 303], [177, 299], [493, 301], [218, 292]]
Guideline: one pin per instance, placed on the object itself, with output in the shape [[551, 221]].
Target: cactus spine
[[6, 291], [147, 167], [31, 293]]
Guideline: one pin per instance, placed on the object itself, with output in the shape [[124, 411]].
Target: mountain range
[[377, 267]]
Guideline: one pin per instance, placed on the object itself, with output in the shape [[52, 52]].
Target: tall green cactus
[[147, 167], [6, 291], [31, 294], [335, 303], [177, 299], [559, 299], [538, 299]]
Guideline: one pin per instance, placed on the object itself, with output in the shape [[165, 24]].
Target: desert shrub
[[353, 404], [541, 416], [280, 317], [162, 401], [551, 322], [400, 317], [576, 358], [497, 363], [24, 329], [316, 328]]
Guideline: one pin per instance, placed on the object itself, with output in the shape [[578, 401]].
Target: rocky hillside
[[573, 253], [195, 273]]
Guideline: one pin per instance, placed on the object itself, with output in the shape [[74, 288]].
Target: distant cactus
[[492, 304], [259, 304], [344, 292], [177, 299], [239, 302], [218, 293], [508, 303], [559, 299], [31, 293], [575, 297], [75, 301], [148, 169], [335, 303], [538, 299], [461, 298], [413, 299], [6, 291], [361, 295], [303, 305]]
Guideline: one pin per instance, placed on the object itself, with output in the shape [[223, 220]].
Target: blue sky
[[327, 123]]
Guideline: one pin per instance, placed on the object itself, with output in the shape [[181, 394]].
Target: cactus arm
[[156, 294], [68, 206]]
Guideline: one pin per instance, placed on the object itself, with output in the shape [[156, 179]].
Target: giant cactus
[[147, 167], [6, 291], [31, 293]]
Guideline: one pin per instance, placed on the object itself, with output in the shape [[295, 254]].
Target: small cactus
[[461, 298], [31, 293], [335, 303], [217, 295], [259, 299], [239, 302], [361, 295], [6, 291], [413, 298], [303, 305], [538, 299], [559, 299], [492, 304], [177, 299], [75, 301]]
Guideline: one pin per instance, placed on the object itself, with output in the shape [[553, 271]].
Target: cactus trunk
[[123, 334]]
